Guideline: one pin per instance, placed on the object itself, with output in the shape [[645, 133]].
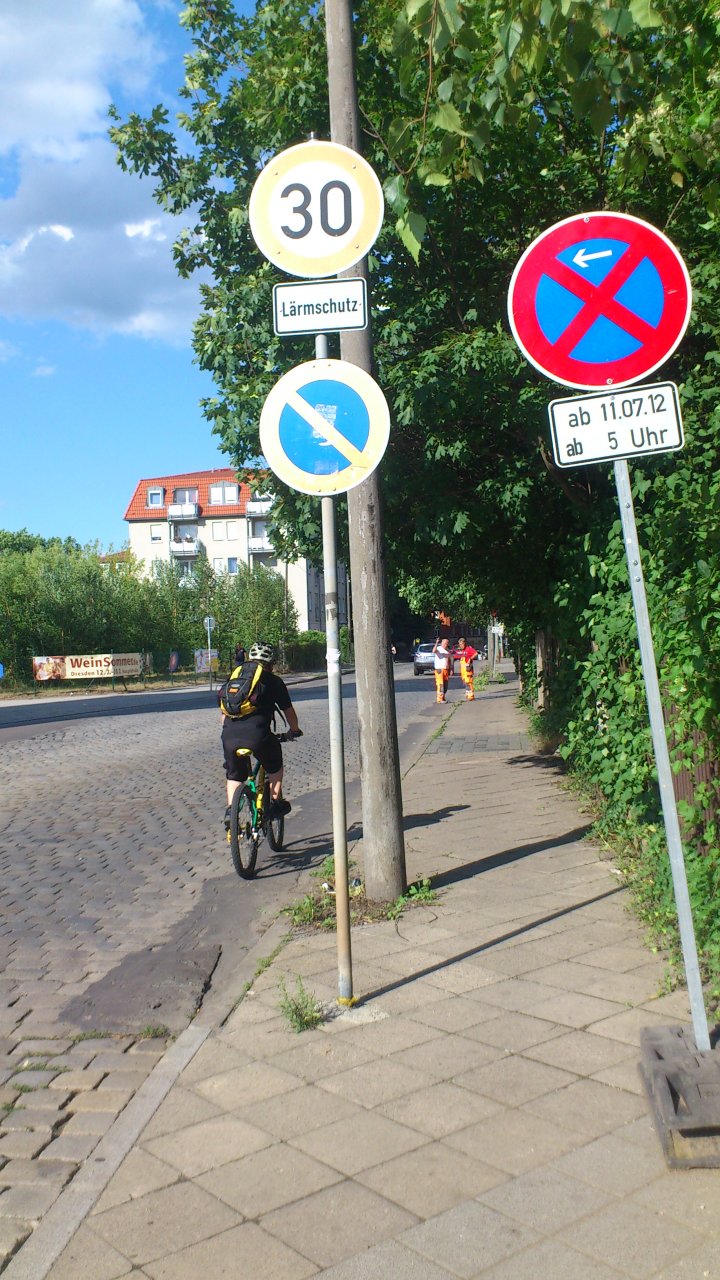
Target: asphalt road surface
[[119, 903]]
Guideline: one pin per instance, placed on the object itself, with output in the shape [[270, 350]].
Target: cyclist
[[254, 731]]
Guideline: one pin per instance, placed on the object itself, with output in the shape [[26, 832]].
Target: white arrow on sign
[[582, 258]]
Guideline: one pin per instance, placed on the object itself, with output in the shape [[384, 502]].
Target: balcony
[[185, 547], [262, 543], [258, 506], [182, 510]]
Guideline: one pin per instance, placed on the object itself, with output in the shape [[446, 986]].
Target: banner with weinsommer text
[[88, 666]]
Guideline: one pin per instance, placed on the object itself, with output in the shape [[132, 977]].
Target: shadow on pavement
[[486, 946], [435, 815], [540, 761], [469, 869], [302, 854]]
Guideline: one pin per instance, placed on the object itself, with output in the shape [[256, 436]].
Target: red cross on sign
[[599, 300]]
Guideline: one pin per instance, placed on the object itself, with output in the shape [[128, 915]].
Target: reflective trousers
[[466, 675], [441, 684]]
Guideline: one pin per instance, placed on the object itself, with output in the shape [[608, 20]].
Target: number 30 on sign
[[316, 209]]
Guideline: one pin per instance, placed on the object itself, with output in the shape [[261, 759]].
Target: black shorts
[[263, 744]]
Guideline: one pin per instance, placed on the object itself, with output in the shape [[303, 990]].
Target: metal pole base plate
[[683, 1089]]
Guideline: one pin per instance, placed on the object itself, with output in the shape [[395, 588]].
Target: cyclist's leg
[[269, 753], [237, 768]]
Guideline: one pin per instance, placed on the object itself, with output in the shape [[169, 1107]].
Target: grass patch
[[300, 1009], [265, 961], [155, 1033], [316, 910], [418, 894]]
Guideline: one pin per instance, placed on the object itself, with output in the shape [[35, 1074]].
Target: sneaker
[[279, 808]]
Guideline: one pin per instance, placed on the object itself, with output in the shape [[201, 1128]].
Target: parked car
[[423, 659]]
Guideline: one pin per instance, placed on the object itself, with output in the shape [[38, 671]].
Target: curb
[[54, 1232]]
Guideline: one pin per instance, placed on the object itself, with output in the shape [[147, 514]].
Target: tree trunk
[[383, 841]]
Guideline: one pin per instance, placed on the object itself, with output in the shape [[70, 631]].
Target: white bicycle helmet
[[261, 652]]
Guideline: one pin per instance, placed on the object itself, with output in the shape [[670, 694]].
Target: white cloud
[[81, 241], [57, 63], [44, 371], [150, 229]]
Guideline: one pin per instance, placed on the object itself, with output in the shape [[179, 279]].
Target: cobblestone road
[[117, 901]]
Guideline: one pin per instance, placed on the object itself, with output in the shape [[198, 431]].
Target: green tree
[[486, 123]]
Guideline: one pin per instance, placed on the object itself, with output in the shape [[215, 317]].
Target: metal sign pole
[[662, 758], [337, 745], [209, 657]]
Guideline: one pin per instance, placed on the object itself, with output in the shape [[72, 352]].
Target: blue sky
[[97, 382]]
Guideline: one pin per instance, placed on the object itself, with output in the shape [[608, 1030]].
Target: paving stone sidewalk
[[479, 1114]]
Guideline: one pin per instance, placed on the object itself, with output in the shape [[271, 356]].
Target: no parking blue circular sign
[[324, 427], [599, 300]]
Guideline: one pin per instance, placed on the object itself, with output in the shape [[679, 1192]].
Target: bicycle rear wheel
[[276, 834], [275, 827], [243, 834]]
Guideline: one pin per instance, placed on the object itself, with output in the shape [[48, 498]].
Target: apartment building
[[179, 518]]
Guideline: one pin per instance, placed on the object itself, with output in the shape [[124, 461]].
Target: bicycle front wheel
[[243, 833]]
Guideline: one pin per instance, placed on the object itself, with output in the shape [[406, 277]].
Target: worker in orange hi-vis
[[467, 656], [443, 667]]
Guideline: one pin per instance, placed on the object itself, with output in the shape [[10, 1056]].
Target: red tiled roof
[[200, 480]]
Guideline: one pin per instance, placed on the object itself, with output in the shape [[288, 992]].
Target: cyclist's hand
[[295, 733]]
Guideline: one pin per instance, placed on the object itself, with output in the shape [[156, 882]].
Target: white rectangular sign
[[322, 306], [88, 666], [626, 423]]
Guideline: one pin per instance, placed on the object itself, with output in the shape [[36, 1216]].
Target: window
[[218, 530], [222, 494], [156, 532], [232, 530], [186, 495], [219, 564], [185, 533], [155, 497], [232, 564]]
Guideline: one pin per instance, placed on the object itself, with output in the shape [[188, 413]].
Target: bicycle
[[250, 817]]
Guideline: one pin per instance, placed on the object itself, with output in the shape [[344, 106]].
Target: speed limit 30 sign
[[316, 209]]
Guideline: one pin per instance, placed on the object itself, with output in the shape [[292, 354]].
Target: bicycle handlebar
[[289, 736]]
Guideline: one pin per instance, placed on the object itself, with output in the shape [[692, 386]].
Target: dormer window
[[222, 495], [155, 497]]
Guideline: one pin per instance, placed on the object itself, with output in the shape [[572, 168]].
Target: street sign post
[[209, 624], [599, 300], [322, 306], [316, 209], [324, 427], [628, 423]]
